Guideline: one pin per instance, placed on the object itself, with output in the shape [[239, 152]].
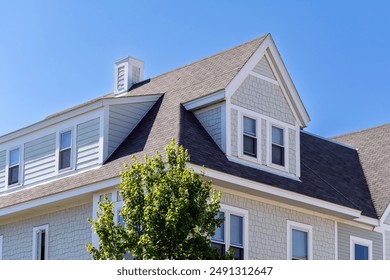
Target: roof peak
[[360, 131]]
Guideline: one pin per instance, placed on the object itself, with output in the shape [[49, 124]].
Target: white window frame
[[240, 131], [72, 149], [284, 167], [8, 166], [35, 241], [115, 198], [359, 241], [228, 210], [1, 247], [291, 225]]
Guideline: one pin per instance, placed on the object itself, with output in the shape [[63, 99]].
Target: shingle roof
[[161, 124], [329, 171], [373, 146]]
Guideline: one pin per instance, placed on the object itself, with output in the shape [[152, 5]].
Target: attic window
[[278, 145], [250, 140], [65, 149], [14, 163]]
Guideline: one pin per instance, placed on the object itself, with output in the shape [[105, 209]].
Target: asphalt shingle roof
[[329, 171], [373, 146]]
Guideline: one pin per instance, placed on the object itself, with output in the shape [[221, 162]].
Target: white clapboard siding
[[264, 68], [2, 169], [87, 144], [122, 120], [39, 159]]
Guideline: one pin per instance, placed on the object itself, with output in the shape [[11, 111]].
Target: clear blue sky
[[57, 54]]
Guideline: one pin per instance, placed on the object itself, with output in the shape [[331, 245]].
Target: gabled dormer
[[76, 140], [257, 118]]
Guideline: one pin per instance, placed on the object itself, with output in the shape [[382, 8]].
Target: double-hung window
[[361, 249], [249, 137], [65, 153], [14, 166], [278, 146], [231, 233], [40, 242], [299, 241]]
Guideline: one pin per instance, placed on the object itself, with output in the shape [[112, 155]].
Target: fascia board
[[131, 99], [51, 121], [25, 206], [276, 193], [205, 101]]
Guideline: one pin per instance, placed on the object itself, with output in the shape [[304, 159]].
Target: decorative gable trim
[[268, 50]]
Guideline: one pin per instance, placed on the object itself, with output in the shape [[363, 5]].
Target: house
[[286, 194]]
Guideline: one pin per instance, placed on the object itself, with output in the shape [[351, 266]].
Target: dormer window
[[65, 150], [250, 137], [14, 166], [278, 146]]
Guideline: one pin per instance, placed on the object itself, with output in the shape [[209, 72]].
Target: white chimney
[[128, 71]]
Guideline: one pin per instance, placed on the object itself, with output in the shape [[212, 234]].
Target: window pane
[[250, 126], [250, 147], [14, 157], [13, 175], [238, 253], [65, 159], [236, 230], [277, 136], [278, 155], [361, 252], [220, 231], [299, 245], [66, 140], [220, 248]]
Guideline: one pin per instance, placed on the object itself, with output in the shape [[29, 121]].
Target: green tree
[[169, 212]]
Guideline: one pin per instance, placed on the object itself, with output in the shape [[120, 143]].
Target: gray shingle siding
[[344, 232], [211, 119], [263, 68], [69, 232], [264, 98]]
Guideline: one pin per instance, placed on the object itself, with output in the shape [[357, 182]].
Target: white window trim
[[95, 208], [284, 168], [72, 150], [302, 227], [1, 247], [34, 249], [7, 166], [360, 241], [228, 210], [240, 132]]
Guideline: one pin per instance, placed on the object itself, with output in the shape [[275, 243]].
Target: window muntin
[[230, 234], [299, 241], [278, 146], [40, 242], [14, 166], [361, 249], [249, 137], [65, 149]]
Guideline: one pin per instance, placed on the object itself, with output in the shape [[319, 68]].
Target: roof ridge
[[210, 56], [360, 131]]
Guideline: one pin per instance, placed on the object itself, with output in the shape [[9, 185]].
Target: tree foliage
[[169, 212]]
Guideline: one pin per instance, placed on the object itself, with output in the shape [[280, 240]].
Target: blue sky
[[57, 54]]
